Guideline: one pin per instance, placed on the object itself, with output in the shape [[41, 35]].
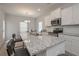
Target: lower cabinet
[[68, 42], [75, 46], [71, 44], [68, 45], [56, 50]]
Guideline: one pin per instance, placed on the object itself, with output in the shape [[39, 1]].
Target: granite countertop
[[35, 44]]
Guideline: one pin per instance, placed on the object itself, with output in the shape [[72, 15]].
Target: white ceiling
[[26, 9], [30, 9]]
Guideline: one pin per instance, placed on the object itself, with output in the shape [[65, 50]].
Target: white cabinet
[[70, 15], [76, 14], [67, 16], [67, 42], [47, 21], [71, 44], [56, 50], [75, 45], [56, 13], [52, 16]]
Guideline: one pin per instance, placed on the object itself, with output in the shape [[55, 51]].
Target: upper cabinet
[[54, 14], [76, 14], [47, 21], [67, 16], [57, 13], [70, 15]]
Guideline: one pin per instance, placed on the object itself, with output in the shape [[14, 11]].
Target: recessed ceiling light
[[27, 21], [38, 9]]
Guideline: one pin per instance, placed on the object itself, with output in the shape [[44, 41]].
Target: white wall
[[2, 40], [12, 24], [1, 27]]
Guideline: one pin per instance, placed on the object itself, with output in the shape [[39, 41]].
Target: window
[[24, 26], [39, 26]]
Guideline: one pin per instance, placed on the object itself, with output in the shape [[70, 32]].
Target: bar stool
[[10, 47], [18, 41]]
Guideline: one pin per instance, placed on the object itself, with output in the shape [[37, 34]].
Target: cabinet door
[[52, 16], [75, 46], [47, 21], [57, 13], [67, 16], [67, 43], [76, 14], [56, 50], [71, 44]]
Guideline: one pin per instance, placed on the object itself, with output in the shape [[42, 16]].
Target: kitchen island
[[43, 45]]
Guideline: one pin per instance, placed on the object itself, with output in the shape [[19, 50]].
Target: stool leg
[[23, 44]]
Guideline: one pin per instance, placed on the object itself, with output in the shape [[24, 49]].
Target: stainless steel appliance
[[56, 21]]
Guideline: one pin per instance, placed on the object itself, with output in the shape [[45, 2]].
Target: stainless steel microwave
[[56, 21]]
